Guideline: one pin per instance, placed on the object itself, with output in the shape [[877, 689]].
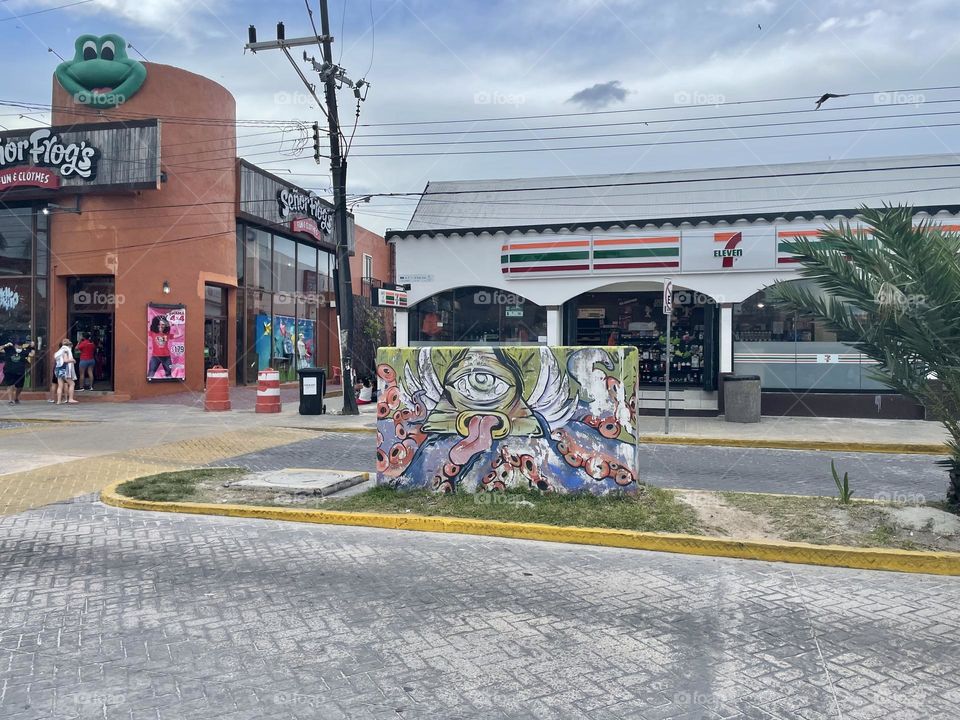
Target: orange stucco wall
[[184, 233]]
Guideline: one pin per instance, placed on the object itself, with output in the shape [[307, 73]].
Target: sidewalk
[[799, 429]]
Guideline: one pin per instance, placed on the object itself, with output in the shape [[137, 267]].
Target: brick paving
[[60, 481], [106, 613]]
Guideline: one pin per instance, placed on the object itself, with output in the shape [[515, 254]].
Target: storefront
[[286, 316], [132, 220], [556, 256]]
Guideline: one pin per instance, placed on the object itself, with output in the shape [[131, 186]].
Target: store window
[[477, 315], [283, 313], [367, 267], [23, 292], [636, 319], [284, 264], [790, 351]]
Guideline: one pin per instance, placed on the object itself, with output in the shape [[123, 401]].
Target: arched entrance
[[632, 314], [477, 315]]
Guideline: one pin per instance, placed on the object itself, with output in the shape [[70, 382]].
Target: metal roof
[[927, 182]]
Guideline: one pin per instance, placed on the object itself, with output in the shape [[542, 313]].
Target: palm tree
[[895, 288]]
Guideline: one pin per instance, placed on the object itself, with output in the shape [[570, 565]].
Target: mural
[[475, 419]]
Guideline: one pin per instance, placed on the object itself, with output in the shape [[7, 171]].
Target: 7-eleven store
[[564, 261]]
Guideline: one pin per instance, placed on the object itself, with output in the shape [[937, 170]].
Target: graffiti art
[[475, 419]]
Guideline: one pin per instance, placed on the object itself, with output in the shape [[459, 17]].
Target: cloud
[[158, 14], [749, 8], [600, 95]]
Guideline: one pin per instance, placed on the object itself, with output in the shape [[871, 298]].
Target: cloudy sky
[[432, 60]]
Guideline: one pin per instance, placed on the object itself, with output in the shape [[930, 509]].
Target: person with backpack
[[18, 355], [65, 372]]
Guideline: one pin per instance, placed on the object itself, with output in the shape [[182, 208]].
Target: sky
[[441, 60]]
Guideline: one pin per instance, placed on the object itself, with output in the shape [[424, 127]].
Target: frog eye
[[107, 50], [89, 50]]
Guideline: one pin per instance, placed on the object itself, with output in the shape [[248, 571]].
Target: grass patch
[[651, 509], [176, 486], [826, 521]]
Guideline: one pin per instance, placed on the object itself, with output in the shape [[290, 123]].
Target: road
[[914, 478], [107, 613]]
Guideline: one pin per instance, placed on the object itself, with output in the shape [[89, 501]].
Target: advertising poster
[[285, 344], [166, 343]]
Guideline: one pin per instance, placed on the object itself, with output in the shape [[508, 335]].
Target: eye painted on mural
[[482, 387]]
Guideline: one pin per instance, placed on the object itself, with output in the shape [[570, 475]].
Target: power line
[[666, 142], [40, 12], [675, 181], [657, 108], [661, 132], [653, 121]]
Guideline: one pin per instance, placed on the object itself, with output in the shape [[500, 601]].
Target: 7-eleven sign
[[730, 250]]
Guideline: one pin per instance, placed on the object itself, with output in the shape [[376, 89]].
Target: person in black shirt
[[17, 357]]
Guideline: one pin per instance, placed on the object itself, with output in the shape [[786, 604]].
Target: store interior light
[[166, 288]]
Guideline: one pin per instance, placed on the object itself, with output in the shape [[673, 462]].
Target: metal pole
[[666, 394]]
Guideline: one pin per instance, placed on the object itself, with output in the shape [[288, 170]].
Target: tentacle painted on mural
[[595, 464]]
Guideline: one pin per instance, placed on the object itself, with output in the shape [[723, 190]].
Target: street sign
[[667, 296]]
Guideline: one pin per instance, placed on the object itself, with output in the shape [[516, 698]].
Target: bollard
[[217, 396], [268, 391]]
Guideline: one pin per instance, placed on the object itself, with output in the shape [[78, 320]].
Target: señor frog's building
[[132, 205], [582, 261]]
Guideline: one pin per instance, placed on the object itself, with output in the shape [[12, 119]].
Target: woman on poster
[[159, 337]]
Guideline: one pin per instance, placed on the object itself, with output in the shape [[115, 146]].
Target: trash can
[[313, 386], [741, 398]]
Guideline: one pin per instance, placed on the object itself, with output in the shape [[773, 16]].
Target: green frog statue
[[100, 73]]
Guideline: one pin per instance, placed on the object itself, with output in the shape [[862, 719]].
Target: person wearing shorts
[[87, 350], [17, 358], [66, 374]]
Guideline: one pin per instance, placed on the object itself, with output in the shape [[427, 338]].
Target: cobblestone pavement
[[106, 613], [873, 475]]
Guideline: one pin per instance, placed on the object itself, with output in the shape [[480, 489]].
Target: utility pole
[[331, 75], [338, 167]]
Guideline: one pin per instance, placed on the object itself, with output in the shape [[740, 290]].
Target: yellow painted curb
[[935, 563], [897, 448]]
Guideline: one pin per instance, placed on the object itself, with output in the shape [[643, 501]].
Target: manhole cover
[[318, 482]]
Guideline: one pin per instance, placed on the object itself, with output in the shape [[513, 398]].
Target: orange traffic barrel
[[217, 396], [268, 391]]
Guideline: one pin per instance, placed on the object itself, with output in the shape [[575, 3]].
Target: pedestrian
[[364, 392], [87, 350], [18, 356], [66, 373]]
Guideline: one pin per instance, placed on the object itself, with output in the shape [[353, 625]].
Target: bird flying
[[825, 97]]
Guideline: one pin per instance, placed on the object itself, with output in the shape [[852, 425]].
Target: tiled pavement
[[106, 613], [60, 481]]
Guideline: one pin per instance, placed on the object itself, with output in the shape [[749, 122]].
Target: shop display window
[[477, 316], [790, 351]]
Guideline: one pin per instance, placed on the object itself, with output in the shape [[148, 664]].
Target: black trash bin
[[313, 386]]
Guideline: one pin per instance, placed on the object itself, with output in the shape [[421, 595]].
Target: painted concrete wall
[[476, 419]]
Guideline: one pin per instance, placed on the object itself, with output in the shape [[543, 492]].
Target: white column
[[726, 338], [402, 329], [554, 325]]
